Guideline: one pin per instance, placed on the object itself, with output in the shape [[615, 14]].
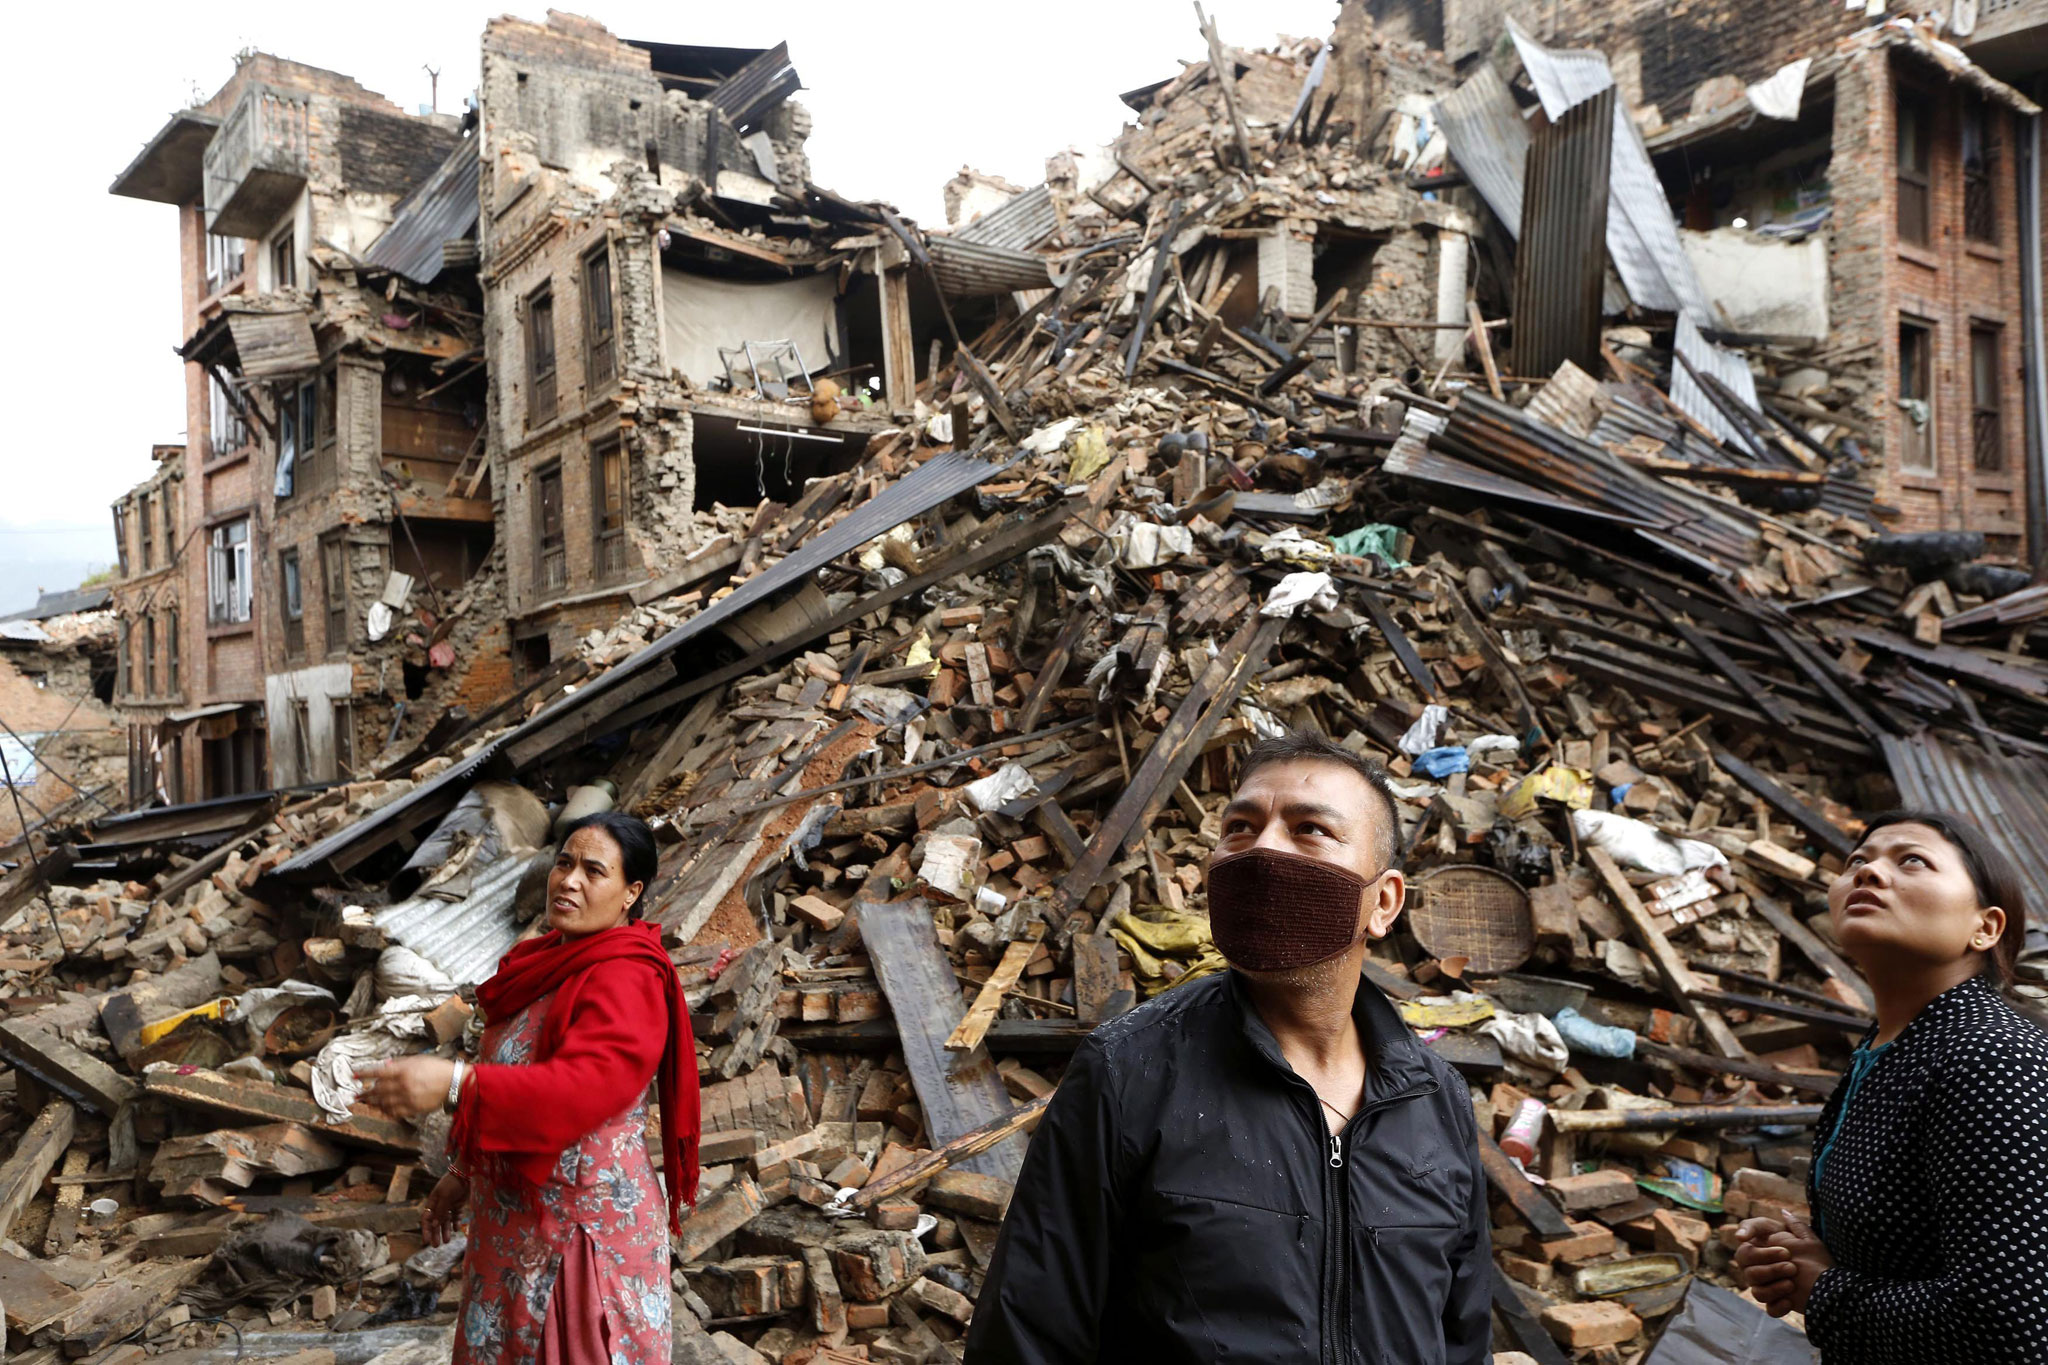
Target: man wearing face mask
[[1263, 1164]]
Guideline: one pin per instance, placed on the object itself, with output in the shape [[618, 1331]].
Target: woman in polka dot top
[[1930, 1166]]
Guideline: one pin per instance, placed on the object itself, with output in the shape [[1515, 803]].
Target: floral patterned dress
[[604, 1192]]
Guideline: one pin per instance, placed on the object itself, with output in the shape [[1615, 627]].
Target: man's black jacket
[[1183, 1200]]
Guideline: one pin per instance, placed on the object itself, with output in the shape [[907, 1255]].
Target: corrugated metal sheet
[[1725, 365], [1489, 140], [749, 94], [2006, 797], [968, 270], [1019, 223], [945, 475], [1642, 236], [463, 938], [1561, 260], [441, 209], [274, 345]]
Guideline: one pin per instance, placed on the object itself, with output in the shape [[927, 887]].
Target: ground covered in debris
[[936, 756]]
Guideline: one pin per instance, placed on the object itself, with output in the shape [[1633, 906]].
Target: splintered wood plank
[[1094, 976], [35, 1156], [1539, 1213], [968, 1036], [1671, 968], [71, 1072], [32, 1295], [261, 1100], [958, 1091], [954, 1153]]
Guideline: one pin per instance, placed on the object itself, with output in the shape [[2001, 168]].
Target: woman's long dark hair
[[638, 856], [1997, 881]]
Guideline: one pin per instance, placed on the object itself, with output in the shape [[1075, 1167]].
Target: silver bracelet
[[455, 1086]]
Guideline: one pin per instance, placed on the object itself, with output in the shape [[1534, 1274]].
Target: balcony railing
[[257, 163]]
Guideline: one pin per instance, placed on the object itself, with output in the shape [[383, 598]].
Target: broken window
[[145, 537], [226, 431], [149, 656], [1916, 397], [223, 262], [551, 568], [1987, 435], [227, 574], [298, 409], [608, 509], [344, 713], [284, 261], [599, 363], [540, 356], [1980, 223], [121, 535], [124, 673], [171, 651], [334, 589], [170, 507], [1915, 126], [293, 604]]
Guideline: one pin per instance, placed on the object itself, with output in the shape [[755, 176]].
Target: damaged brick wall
[[47, 697]]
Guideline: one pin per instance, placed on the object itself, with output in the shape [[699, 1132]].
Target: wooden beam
[[958, 1091], [1485, 349], [35, 1155], [982, 1013], [954, 1153], [1539, 1213], [1832, 963], [70, 1071], [1677, 977], [261, 1100]]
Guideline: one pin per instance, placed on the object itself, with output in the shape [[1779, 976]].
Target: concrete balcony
[[257, 163]]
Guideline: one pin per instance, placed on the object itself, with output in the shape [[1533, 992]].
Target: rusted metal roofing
[[1489, 140], [1642, 236], [2005, 797], [751, 93], [972, 269], [1561, 263], [441, 209], [1019, 223]]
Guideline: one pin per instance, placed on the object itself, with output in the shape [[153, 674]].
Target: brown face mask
[[1272, 911]]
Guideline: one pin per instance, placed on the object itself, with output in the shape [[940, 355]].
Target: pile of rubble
[[936, 754]]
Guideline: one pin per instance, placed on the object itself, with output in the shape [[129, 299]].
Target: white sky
[[902, 94]]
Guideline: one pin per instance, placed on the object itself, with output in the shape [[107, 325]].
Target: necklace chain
[[1333, 1108]]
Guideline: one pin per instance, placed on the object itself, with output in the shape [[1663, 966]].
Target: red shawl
[[530, 1118]]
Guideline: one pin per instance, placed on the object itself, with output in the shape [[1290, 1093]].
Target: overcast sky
[[902, 95]]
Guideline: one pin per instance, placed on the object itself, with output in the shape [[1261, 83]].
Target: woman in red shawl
[[568, 1258]]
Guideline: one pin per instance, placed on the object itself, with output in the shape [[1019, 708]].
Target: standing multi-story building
[[321, 580]]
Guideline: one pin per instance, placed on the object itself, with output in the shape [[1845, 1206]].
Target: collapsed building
[[1356, 387], [60, 665]]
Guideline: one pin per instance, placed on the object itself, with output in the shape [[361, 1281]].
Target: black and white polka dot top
[[1934, 1196]]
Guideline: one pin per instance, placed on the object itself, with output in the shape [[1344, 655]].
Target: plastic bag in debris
[[1296, 589], [1001, 787], [1528, 1040], [1147, 544], [1581, 1034], [1372, 539], [885, 706], [396, 1029], [1441, 763], [1047, 439], [1422, 735], [1292, 547], [1719, 1328], [260, 1007], [1571, 787], [1642, 847], [1089, 456], [403, 972]]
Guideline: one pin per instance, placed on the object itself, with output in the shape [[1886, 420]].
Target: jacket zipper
[[1335, 1308]]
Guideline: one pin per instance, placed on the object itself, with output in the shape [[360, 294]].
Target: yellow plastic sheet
[[1572, 787]]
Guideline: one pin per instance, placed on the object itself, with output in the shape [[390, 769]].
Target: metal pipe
[[1683, 1116]]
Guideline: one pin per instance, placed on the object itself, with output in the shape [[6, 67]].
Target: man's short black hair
[[1298, 746]]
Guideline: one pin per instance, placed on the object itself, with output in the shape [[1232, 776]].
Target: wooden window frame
[[334, 594], [550, 561], [342, 716], [1979, 167], [121, 535], [1987, 411], [608, 543], [149, 655], [230, 593], [291, 602], [172, 682], [541, 358], [1914, 439], [227, 430], [1914, 183], [600, 321], [284, 260]]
